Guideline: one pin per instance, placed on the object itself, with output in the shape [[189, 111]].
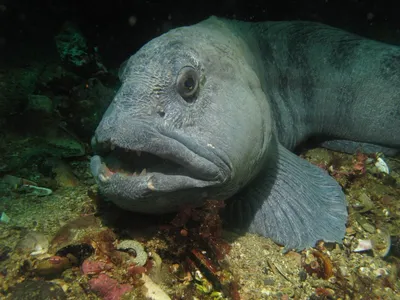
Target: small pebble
[[269, 281], [303, 275]]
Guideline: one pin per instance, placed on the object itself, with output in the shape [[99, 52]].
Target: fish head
[[189, 123]]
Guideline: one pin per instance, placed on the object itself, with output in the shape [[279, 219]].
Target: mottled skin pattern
[[260, 90], [330, 82]]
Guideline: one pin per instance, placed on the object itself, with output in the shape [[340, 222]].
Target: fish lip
[[145, 194], [204, 166], [144, 184]]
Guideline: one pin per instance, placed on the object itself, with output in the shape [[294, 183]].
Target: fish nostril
[[161, 113]]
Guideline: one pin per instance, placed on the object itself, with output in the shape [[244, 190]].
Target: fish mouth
[[142, 165], [133, 174]]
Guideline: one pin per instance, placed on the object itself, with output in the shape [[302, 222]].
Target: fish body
[[214, 110]]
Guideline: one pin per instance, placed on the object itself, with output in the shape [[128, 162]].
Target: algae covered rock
[[72, 46], [90, 101], [34, 243], [16, 85], [74, 50], [17, 153], [40, 103], [37, 290]]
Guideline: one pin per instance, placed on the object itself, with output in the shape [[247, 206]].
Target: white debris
[[381, 272], [382, 166], [363, 245], [152, 291]]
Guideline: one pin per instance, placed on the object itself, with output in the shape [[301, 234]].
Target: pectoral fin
[[291, 201]]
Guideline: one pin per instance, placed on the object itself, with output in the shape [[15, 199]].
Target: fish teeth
[[150, 185], [112, 147], [138, 153], [144, 172], [103, 178], [134, 174]]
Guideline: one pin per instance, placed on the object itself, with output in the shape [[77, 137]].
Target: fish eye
[[187, 83]]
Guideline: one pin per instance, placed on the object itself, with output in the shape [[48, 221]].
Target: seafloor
[[179, 259], [60, 240]]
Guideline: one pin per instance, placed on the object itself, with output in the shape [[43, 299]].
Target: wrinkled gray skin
[[263, 88]]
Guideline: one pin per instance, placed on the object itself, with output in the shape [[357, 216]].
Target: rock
[[64, 174], [91, 99], [75, 51], [34, 243], [53, 266], [90, 267], [19, 152], [108, 288], [153, 291], [5, 252], [67, 146], [40, 103], [72, 46], [15, 86], [37, 290]]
